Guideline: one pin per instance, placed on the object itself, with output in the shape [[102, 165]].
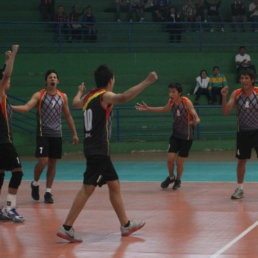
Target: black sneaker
[[48, 197], [177, 184], [34, 192], [166, 183]]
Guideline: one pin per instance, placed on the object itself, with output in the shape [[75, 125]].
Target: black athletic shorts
[[9, 158], [50, 147], [99, 170], [180, 146], [246, 141]]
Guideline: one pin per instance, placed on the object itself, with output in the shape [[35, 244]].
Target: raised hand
[[152, 77], [224, 91], [81, 88], [15, 49], [142, 107], [8, 54]]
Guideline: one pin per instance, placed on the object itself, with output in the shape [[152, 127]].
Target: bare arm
[[145, 107], [196, 119], [78, 99], [29, 105], [227, 107], [70, 121], [112, 98]]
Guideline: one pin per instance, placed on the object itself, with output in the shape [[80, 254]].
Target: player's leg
[[51, 172], [2, 174]]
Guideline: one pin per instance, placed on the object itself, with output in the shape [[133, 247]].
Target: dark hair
[[203, 71], [215, 67], [103, 74], [177, 86], [248, 72], [49, 72], [242, 47]]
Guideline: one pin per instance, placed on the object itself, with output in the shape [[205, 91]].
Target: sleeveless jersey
[[181, 115], [247, 110], [97, 124], [49, 114], [5, 121]]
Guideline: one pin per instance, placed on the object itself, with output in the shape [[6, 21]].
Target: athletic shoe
[[48, 197], [3, 216], [13, 215], [34, 192], [238, 194], [133, 226], [68, 235], [177, 184], [166, 182]]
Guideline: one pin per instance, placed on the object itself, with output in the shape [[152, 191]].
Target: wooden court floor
[[199, 220]]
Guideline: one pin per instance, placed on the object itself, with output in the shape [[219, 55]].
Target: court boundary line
[[236, 239]]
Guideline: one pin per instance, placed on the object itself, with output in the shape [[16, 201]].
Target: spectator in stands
[[76, 27], [216, 83], [201, 88], [189, 13], [175, 27], [137, 8], [148, 5], [213, 13], [201, 12], [122, 6], [61, 18], [89, 26], [47, 9], [161, 10], [243, 61], [238, 13], [253, 10]]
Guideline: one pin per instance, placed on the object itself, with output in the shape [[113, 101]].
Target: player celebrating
[[50, 104], [97, 105], [185, 117], [246, 101], [9, 159]]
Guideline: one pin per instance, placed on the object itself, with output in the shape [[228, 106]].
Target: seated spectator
[[122, 6], [189, 12], [213, 13], [47, 9], [174, 28], [201, 12], [201, 88], [61, 18], [89, 25], [243, 61], [216, 83], [148, 5], [75, 26], [137, 8], [238, 13], [161, 10], [253, 10]]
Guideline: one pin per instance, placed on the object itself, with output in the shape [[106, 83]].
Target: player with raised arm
[[246, 101], [185, 117], [50, 104], [97, 105]]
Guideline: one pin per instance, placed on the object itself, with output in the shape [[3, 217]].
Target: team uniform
[[247, 116], [97, 128], [182, 137], [49, 128], [9, 158]]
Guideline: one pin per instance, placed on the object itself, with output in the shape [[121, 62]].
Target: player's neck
[[51, 91], [178, 101], [248, 91]]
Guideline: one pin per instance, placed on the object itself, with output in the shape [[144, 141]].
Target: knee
[[16, 179], [51, 163], [242, 162], [171, 161], [43, 162]]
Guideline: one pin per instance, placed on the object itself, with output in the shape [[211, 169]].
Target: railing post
[[130, 37], [198, 125], [59, 38], [200, 36], [117, 125]]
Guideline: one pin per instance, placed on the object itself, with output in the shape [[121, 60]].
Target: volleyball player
[[97, 105], [50, 104], [185, 117], [9, 159], [246, 101]]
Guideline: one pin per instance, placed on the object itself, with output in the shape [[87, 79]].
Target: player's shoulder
[[256, 90]]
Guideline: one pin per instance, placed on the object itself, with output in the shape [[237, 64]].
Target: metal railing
[[134, 36]]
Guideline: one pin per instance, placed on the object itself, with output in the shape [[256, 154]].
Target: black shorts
[[180, 146], [9, 158], [246, 141], [99, 170], [50, 147]]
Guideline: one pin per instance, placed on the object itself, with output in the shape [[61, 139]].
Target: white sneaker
[[13, 215], [133, 226], [68, 235], [222, 30]]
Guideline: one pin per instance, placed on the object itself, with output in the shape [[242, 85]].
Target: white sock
[[48, 190], [240, 186], [10, 201], [35, 183]]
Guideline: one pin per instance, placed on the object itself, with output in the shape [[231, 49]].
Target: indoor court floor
[[198, 220]]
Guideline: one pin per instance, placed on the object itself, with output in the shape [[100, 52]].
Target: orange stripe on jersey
[[90, 97], [256, 90], [62, 95], [185, 100], [238, 93], [4, 110], [42, 94]]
